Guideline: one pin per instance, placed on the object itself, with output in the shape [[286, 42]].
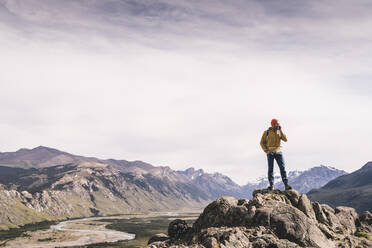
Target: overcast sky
[[189, 83]]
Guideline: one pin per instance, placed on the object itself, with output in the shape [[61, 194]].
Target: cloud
[[188, 83]]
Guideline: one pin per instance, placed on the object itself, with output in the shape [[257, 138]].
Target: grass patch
[[363, 235], [13, 233], [144, 228]]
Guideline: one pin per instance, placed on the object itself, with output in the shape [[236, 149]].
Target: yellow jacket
[[273, 140]]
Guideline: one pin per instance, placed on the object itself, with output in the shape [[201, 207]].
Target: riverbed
[[86, 231]]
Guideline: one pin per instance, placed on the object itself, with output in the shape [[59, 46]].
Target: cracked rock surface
[[271, 219]]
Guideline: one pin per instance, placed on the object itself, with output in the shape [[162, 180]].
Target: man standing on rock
[[270, 143]]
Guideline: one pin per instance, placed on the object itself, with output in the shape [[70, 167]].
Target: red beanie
[[273, 121]]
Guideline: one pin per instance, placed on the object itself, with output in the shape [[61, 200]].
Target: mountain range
[[302, 181], [353, 190], [45, 184]]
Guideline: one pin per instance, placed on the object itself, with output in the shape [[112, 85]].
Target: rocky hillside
[[215, 184], [354, 190], [45, 183], [282, 219], [303, 181], [80, 190]]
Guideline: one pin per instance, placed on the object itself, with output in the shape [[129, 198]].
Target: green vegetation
[[22, 215], [363, 235], [13, 233], [144, 228]]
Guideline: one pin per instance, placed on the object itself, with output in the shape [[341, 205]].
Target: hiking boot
[[288, 187], [270, 187]]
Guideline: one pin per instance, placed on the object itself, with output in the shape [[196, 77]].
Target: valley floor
[[80, 232]]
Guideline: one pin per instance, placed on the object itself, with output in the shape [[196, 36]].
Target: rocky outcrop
[[271, 219]]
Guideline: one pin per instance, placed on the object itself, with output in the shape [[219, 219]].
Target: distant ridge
[[354, 190], [303, 181]]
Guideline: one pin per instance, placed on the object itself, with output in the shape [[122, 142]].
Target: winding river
[[86, 231], [74, 232], [108, 233]]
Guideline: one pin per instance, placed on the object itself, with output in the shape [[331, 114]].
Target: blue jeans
[[278, 156]]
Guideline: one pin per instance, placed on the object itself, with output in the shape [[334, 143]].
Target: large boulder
[[288, 222], [178, 228], [225, 211], [347, 217], [271, 219]]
